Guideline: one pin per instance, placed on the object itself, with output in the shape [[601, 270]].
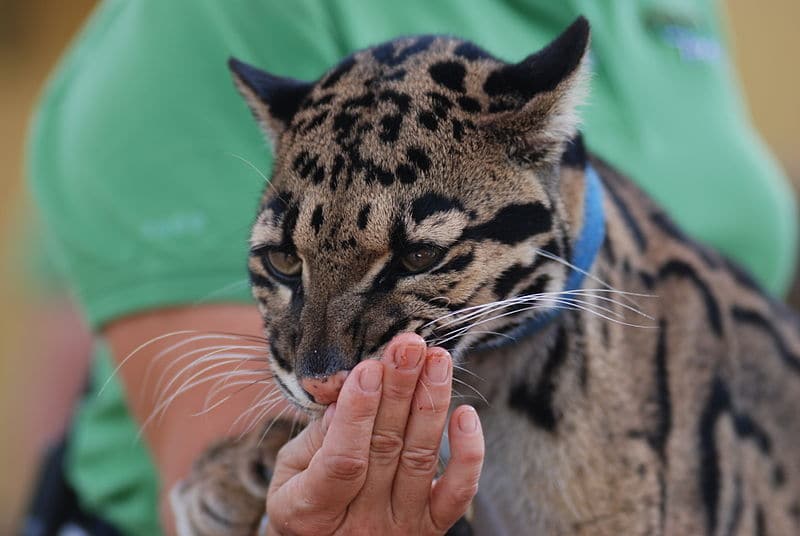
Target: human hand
[[368, 466]]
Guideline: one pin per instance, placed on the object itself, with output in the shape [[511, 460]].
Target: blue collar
[[583, 254]]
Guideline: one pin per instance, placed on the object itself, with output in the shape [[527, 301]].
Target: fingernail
[[370, 379], [409, 356], [436, 369], [468, 421]]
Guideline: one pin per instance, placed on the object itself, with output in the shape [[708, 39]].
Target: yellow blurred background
[[33, 33]]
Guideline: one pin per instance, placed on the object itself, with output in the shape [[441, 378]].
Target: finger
[[320, 495], [452, 493], [418, 460], [402, 364], [296, 454]]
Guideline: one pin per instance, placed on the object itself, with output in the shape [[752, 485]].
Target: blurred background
[[33, 33]]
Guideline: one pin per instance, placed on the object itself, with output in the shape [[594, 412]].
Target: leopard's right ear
[[274, 100]]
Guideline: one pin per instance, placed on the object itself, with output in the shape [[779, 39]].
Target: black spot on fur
[[471, 52], [441, 104], [336, 171], [343, 123], [544, 70], [432, 203], [278, 205], [756, 320], [289, 223], [428, 120], [319, 175], [259, 281], [663, 417], [663, 222], [387, 55], [363, 216], [390, 127], [419, 158], [510, 278], [717, 405], [575, 153], [682, 270], [458, 130], [342, 69], [456, 264], [468, 104], [630, 221], [536, 402], [449, 74], [317, 219], [512, 224], [406, 174], [278, 357], [316, 121], [401, 100], [761, 522], [362, 101]]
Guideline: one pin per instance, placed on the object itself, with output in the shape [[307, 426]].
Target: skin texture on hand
[[368, 466]]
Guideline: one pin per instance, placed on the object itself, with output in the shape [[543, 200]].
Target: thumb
[[296, 454]]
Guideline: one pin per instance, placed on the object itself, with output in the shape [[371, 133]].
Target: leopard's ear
[[534, 101], [274, 100]]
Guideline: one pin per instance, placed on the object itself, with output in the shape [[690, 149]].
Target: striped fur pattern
[[664, 397]]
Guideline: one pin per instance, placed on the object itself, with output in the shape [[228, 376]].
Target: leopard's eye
[[422, 258], [284, 264]]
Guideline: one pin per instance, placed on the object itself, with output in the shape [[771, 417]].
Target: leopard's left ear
[[274, 100], [534, 101]]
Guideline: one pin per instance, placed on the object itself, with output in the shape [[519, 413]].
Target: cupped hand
[[369, 465]]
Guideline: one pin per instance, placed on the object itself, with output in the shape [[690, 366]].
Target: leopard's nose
[[324, 390]]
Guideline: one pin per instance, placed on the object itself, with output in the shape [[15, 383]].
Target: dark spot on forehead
[[363, 216], [319, 175], [428, 120], [390, 127], [342, 69], [406, 174], [418, 158], [401, 100], [289, 223], [471, 52], [512, 224], [449, 74], [278, 205], [336, 170], [458, 130], [387, 55], [316, 121], [468, 104], [362, 101], [432, 203], [316, 218]]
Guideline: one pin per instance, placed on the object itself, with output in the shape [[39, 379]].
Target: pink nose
[[325, 390]]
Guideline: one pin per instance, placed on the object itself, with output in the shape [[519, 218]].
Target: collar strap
[[584, 252]]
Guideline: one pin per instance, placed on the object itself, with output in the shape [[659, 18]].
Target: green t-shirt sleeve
[[145, 160]]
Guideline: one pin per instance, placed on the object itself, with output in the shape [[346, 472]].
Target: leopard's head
[[416, 179]]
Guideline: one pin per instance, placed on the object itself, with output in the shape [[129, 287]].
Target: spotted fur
[[671, 412]]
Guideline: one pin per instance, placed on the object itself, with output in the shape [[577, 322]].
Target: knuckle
[[471, 457], [418, 460], [462, 495], [399, 390], [345, 467], [386, 445]]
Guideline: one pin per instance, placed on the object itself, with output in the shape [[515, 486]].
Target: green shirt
[[139, 155]]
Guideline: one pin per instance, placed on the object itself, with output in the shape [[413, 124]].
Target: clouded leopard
[[636, 382]]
